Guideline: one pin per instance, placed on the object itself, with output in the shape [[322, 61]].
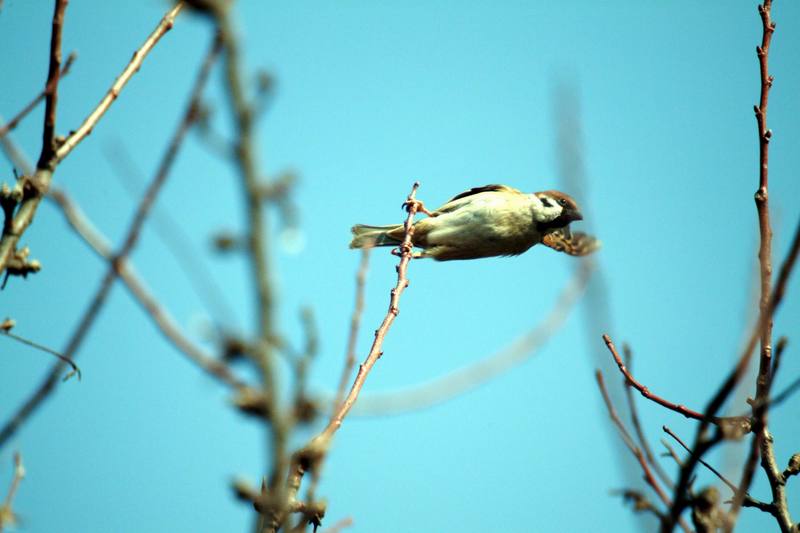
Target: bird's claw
[[420, 207], [399, 253]]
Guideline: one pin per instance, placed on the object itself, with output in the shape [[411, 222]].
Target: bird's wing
[[454, 203], [577, 243], [485, 188]]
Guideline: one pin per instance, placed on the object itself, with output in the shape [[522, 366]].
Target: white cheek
[[546, 214]]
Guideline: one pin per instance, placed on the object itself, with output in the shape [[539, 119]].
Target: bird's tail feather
[[364, 235]]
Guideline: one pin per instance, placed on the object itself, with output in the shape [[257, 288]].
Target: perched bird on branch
[[488, 221]]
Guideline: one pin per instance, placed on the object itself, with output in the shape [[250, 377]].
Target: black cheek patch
[[545, 202]]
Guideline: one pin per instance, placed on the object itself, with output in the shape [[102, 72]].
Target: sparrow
[[488, 221]]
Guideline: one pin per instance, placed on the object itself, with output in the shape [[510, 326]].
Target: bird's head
[[557, 209]]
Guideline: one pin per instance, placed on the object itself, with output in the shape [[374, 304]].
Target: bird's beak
[[576, 215]]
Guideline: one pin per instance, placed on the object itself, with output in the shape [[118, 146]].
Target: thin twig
[[629, 442], [32, 188], [455, 383], [644, 391], [132, 68], [115, 265], [637, 425], [748, 501], [355, 324], [762, 440], [635, 450], [375, 351], [75, 370], [16, 119], [690, 452]]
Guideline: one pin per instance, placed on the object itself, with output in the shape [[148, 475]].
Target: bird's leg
[[420, 207]]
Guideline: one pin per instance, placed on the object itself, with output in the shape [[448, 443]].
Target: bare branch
[[377, 344], [762, 441], [176, 240], [311, 456], [629, 442], [455, 383], [32, 188], [116, 88], [637, 425], [762, 444], [115, 265], [355, 323], [635, 450], [713, 470], [644, 391], [769, 302], [9, 126], [279, 421], [53, 74]]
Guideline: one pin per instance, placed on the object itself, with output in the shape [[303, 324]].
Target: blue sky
[[369, 98]]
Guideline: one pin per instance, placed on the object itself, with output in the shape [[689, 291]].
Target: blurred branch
[[355, 323], [30, 190], [637, 425], [635, 450], [278, 421], [304, 409], [785, 393], [142, 294], [671, 453], [51, 85], [458, 382], [7, 517], [117, 260], [176, 240], [598, 317], [640, 502], [20, 162], [311, 456]]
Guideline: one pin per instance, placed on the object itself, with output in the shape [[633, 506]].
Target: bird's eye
[[562, 202]]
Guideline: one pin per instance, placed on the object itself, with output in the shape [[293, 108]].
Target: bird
[[489, 221]]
